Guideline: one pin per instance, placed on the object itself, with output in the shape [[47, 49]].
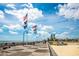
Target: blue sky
[[51, 18]]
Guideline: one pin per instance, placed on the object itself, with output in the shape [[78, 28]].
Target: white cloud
[[1, 30], [17, 13], [42, 30], [71, 28], [11, 6], [54, 32], [41, 27], [31, 24], [69, 11], [29, 5], [63, 35], [13, 27], [1, 14], [5, 26], [44, 33], [12, 32], [33, 13], [45, 27]]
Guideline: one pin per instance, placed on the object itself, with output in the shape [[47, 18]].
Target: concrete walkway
[[39, 49], [66, 50]]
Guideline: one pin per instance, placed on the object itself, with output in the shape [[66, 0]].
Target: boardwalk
[[66, 50], [38, 49]]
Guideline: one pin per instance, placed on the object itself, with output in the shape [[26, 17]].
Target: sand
[[66, 50]]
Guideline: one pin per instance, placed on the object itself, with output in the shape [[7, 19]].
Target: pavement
[[39, 49], [66, 50]]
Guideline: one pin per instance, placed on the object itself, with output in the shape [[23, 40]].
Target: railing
[[51, 50]]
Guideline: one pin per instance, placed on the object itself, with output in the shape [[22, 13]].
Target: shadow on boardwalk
[[39, 49]]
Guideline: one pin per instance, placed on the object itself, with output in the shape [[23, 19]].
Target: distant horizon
[[33, 41]]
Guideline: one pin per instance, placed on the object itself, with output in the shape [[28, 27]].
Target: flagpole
[[25, 27], [23, 37], [27, 36], [35, 30]]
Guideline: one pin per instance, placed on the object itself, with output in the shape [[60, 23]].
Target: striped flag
[[34, 26], [35, 29], [25, 21], [25, 17]]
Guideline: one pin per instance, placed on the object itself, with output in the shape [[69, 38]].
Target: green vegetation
[[53, 40]]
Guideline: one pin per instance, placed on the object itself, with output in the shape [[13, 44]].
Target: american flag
[[25, 17], [34, 27], [25, 21]]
